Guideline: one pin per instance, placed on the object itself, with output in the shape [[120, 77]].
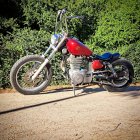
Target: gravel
[[59, 115]]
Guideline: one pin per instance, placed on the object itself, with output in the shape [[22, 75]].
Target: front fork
[[55, 49]]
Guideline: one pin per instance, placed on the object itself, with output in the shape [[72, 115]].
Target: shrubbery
[[133, 54], [111, 25]]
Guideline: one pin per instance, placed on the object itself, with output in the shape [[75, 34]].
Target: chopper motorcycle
[[33, 73]]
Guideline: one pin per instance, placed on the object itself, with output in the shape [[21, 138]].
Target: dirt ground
[[56, 114]]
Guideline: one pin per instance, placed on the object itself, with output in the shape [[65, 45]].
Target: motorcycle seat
[[108, 56]]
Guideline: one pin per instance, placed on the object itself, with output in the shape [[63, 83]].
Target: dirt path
[[93, 114]]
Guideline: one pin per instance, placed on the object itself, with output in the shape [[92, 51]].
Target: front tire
[[20, 68], [129, 66]]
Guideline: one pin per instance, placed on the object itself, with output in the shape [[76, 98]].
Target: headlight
[[55, 38]]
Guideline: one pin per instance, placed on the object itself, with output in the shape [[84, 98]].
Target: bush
[[6, 61], [109, 25], [133, 55], [117, 24], [26, 42]]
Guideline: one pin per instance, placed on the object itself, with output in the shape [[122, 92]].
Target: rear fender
[[115, 57]]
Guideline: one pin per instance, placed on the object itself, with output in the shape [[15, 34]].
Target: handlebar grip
[[60, 13], [63, 11]]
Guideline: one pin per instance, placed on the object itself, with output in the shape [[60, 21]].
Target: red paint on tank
[[75, 47]]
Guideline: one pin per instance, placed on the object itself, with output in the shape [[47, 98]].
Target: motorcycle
[[33, 73]]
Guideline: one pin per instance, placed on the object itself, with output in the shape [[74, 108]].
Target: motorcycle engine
[[78, 69]]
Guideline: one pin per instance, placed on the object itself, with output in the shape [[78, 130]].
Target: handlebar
[[79, 17], [60, 13], [63, 11], [60, 18]]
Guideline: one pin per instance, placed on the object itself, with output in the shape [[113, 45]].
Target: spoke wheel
[[22, 72], [122, 75], [25, 73], [125, 74]]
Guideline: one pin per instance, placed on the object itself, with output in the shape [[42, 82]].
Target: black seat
[[107, 56]]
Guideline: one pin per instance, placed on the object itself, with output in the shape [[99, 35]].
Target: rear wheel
[[22, 72], [125, 74]]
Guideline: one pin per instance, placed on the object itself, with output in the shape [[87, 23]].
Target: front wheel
[[125, 74], [24, 69]]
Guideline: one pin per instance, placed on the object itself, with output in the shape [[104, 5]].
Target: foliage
[[27, 41], [132, 53], [108, 25], [118, 24]]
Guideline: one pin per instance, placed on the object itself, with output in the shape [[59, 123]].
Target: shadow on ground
[[84, 93], [133, 91], [85, 89]]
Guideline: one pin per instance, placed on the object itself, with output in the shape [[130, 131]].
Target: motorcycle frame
[[54, 50], [60, 15]]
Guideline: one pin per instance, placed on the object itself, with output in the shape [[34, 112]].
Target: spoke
[[123, 78], [25, 73], [123, 75]]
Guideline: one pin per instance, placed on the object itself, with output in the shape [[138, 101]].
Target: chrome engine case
[[79, 70], [76, 77]]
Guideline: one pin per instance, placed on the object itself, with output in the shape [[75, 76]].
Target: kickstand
[[74, 89]]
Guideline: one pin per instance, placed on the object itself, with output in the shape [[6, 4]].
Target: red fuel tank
[[75, 47]]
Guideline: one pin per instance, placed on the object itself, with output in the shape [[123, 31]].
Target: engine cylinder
[[75, 62], [80, 70], [75, 72]]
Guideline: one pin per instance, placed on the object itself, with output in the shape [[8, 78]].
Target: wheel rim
[[26, 71], [122, 76]]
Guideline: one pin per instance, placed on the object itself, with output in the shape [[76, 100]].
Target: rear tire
[[129, 66], [15, 70]]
